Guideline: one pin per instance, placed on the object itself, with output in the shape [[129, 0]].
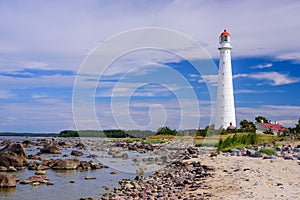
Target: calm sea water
[[62, 188]]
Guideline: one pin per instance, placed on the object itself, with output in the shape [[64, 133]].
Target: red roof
[[276, 127], [225, 33]]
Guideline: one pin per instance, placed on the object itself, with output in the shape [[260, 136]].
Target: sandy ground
[[252, 178]]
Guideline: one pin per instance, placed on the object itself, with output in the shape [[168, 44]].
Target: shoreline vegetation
[[191, 174], [195, 167]]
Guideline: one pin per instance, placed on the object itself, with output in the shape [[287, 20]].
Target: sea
[[62, 188]]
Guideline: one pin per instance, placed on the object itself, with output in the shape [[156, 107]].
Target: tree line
[[245, 127]]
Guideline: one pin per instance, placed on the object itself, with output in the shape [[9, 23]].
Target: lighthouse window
[[225, 38]]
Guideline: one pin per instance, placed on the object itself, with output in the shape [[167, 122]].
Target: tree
[[206, 130], [247, 126], [166, 131], [297, 128], [261, 118]]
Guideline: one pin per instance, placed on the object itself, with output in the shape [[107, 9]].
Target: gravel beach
[[239, 177]]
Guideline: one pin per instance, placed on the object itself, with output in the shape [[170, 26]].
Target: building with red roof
[[275, 128]]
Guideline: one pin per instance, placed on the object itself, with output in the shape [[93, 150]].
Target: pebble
[[90, 178], [35, 184], [40, 172], [173, 182]]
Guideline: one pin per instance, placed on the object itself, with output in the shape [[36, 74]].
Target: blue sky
[[44, 43]]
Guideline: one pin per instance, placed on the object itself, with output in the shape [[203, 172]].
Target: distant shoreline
[[29, 134]]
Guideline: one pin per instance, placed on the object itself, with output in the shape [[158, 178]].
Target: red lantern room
[[225, 36]]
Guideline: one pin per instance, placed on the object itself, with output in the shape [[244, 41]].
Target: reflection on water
[[68, 184], [8, 189]]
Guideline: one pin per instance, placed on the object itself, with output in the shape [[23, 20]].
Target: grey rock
[[270, 157], [77, 153], [234, 150], [51, 149], [67, 164]]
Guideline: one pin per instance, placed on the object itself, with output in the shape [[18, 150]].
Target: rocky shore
[[203, 173], [178, 180], [183, 170]]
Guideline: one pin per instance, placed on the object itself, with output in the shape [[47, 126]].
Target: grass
[[238, 141], [132, 140], [268, 151], [222, 142], [149, 141], [206, 144]]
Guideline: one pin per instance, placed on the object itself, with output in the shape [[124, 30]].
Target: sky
[[52, 77]]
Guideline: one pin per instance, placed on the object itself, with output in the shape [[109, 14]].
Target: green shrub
[[238, 141], [166, 131], [132, 140], [206, 144], [153, 141], [268, 151]]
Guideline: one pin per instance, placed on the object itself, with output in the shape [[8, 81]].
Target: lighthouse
[[224, 108]]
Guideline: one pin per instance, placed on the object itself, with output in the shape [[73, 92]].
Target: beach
[[239, 177], [183, 171], [226, 176]]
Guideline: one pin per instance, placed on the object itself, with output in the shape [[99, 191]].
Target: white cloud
[[45, 81], [247, 91], [34, 37], [6, 94], [36, 117], [176, 113], [210, 79], [268, 65], [272, 78], [34, 31], [294, 56]]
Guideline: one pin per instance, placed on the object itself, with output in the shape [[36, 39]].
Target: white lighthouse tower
[[224, 110]]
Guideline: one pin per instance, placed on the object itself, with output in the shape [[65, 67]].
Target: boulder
[[84, 165], [288, 157], [270, 157], [3, 169], [257, 154], [51, 149], [13, 154], [40, 172], [76, 153], [33, 165], [296, 150], [95, 165], [34, 157], [36, 179], [7, 180], [125, 156], [234, 150], [67, 164], [42, 167], [117, 155], [27, 143], [79, 145], [63, 144], [11, 169]]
